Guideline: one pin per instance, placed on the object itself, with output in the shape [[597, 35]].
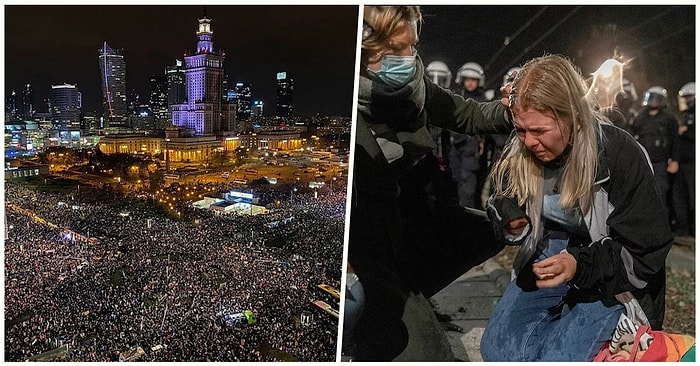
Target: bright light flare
[[607, 82]]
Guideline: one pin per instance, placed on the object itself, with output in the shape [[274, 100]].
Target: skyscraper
[[244, 107], [285, 93], [158, 97], [65, 107], [113, 74], [11, 105], [27, 102], [258, 108], [177, 92], [204, 111]]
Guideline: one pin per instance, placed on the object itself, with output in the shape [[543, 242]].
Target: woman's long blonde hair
[[552, 85]]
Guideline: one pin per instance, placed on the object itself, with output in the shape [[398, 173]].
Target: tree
[[219, 159]]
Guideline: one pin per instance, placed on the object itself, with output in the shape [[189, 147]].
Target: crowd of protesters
[[145, 280]]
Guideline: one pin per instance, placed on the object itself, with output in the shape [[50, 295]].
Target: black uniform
[[659, 135], [684, 182]]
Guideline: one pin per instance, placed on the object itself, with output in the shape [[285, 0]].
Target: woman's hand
[[505, 99], [555, 270], [505, 94]]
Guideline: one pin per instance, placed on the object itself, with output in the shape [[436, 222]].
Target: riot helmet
[[686, 96], [439, 73], [471, 70], [655, 97]]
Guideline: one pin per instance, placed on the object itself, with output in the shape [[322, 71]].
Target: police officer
[[657, 130], [684, 182], [440, 74], [464, 155]]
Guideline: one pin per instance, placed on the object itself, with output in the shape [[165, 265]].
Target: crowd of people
[[145, 280]]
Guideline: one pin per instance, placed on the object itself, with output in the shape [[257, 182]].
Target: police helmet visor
[[653, 100]]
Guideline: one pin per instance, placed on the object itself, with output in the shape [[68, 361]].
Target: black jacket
[[407, 233], [687, 139], [658, 134], [630, 234]]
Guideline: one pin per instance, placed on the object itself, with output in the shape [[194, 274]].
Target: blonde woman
[[578, 195]]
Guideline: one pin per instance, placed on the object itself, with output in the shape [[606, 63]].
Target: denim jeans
[[539, 326]]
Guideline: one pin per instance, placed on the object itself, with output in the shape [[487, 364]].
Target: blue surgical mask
[[395, 71]]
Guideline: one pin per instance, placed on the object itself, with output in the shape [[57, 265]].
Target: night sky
[[659, 39], [47, 45]]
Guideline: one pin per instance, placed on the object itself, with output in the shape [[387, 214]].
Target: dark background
[[658, 41], [47, 45]]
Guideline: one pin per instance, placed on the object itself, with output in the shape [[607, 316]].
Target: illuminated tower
[[244, 107], [285, 92], [176, 86], [204, 111], [113, 74], [158, 97], [27, 102], [11, 104]]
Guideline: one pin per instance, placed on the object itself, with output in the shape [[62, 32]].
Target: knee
[[492, 347]]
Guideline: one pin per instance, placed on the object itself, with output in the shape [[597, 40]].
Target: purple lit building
[[204, 111]]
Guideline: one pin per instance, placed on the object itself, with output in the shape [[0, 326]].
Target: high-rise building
[[143, 118], [204, 111], [285, 93], [258, 108], [133, 101], [242, 97], [27, 102], [177, 92], [11, 105], [158, 97], [65, 107], [113, 74]]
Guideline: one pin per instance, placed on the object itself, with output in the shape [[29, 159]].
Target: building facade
[[285, 95], [204, 111], [27, 102], [131, 144], [177, 92], [65, 107], [158, 98], [113, 75], [243, 100]]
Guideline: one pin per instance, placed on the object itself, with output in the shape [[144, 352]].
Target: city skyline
[[314, 43]]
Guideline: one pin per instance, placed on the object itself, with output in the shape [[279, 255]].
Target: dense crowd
[[138, 286]]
